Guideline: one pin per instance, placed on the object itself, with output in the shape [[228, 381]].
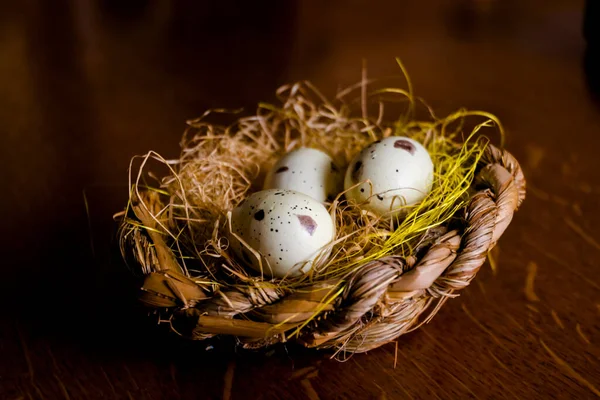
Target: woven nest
[[371, 290]]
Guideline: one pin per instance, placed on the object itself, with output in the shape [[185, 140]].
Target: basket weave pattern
[[382, 300]]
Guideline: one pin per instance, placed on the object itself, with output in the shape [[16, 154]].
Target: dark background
[[85, 85]]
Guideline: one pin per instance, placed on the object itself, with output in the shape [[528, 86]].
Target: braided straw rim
[[382, 300]]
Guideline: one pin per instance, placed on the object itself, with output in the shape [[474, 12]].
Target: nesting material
[[380, 277]]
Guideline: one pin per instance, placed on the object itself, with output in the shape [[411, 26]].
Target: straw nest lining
[[384, 277]]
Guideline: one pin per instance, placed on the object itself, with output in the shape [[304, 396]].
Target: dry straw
[[384, 277]]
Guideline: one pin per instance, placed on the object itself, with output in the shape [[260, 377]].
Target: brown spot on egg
[[281, 169], [259, 215], [357, 171], [308, 223], [405, 145], [380, 197]]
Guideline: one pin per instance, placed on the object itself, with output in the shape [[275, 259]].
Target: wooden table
[[86, 85]]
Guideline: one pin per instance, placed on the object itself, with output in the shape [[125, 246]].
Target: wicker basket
[[376, 301], [381, 301]]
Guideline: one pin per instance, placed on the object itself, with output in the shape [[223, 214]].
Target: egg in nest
[[290, 231], [389, 174], [308, 171]]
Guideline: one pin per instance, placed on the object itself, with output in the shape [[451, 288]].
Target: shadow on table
[[591, 59], [591, 68], [83, 59]]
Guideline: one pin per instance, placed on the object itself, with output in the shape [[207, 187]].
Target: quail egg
[[308, 171], [400, 172], [289, 230]]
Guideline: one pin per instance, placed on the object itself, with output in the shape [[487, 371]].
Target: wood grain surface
[[85, 85]]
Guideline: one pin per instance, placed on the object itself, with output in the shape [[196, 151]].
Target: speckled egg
[[308, 171], [288, 229], [400, 171]]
